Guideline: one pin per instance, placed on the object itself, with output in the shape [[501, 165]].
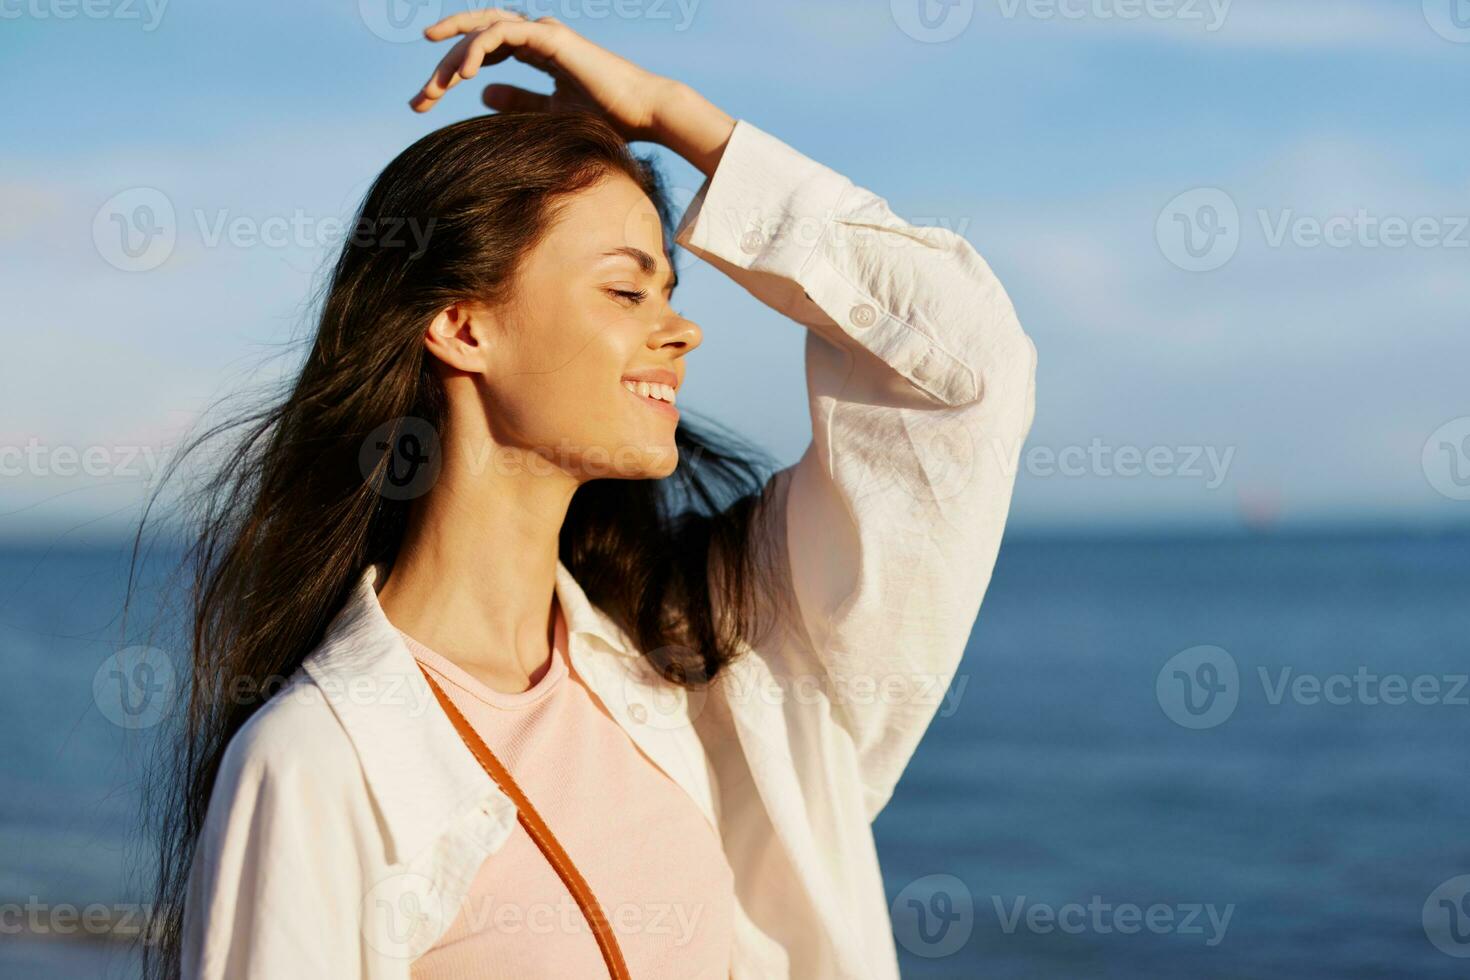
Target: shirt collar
[[415, 764], [586, 619]]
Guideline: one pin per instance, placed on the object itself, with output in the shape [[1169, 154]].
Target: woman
[[451, 545]]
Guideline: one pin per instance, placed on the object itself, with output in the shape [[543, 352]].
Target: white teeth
[[650, 389]]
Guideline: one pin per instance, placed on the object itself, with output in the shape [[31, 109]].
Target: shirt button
[[924, 370], [751, 242], [638, 712], [863, 315]]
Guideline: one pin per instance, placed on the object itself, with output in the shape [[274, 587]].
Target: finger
[[468, 21], [536, 48], [487, 41], [422, 102], [536, 43], [495, 57], [444, 73], [525, 40], [510, 98]]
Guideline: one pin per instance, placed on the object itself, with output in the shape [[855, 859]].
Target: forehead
[[611, 213]]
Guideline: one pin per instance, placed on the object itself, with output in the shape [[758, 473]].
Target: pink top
[[654, 862]]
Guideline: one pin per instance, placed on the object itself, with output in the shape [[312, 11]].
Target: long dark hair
[[279, 531]]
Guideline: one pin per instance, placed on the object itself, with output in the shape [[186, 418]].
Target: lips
[[662, 376]]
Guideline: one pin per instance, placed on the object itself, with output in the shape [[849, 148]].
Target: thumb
[[509, 98]]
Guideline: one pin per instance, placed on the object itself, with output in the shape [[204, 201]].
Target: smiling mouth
[[659, 397]]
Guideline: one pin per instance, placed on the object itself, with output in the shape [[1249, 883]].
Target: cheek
[[567, 385]]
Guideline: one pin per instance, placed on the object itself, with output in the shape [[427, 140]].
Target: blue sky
[[1074, 142]]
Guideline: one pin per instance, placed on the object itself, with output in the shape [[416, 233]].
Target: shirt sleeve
[[921, 391], [275, 888]]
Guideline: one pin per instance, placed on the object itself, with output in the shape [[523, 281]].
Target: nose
[[677, 332]]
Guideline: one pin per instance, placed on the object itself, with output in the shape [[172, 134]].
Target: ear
[[460, 335]]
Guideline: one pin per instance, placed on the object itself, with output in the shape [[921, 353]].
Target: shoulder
[[288, 842], [295, 739]]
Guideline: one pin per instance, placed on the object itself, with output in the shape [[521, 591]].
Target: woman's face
[[590, 317]]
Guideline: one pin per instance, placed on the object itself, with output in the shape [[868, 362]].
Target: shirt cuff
[[765, 208]]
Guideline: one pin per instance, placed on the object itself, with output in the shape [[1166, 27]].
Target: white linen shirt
[[348, 819]]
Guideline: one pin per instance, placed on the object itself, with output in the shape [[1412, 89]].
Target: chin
[[662, 464], [645, 462]]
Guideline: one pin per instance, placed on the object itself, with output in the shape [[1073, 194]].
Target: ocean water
[[1190, 757]]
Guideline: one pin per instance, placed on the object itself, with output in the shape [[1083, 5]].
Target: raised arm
[[921, 389]]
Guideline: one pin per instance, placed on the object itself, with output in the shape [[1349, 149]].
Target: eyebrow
[[646, 264]]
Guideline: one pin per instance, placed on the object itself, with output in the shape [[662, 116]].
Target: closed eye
[[636, 296]]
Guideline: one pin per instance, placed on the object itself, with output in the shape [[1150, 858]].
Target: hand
[[639, 104], [588, 77]]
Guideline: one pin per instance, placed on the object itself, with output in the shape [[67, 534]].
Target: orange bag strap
[[612, 954]]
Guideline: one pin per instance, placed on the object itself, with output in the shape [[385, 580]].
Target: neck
[[475, 575]]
